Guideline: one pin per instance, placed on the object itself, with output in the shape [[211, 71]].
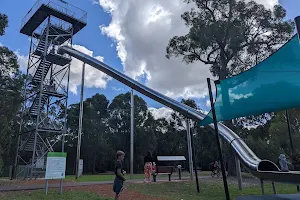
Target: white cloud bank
[[162, 112], [22, 60], [92, 78], [141, 30]]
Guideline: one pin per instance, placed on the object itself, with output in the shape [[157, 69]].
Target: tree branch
[[199, 58], [228, 21], [255, 43], [211, 53], [209, 10]]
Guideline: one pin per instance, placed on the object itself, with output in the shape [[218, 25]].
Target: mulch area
[[106, 191]]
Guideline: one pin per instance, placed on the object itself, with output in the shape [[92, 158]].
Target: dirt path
[[106, 191], [28, 182], [233, 180]]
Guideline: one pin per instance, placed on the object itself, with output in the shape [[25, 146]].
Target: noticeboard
[[56, 165]]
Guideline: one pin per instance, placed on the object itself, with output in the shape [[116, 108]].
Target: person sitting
[[283, 163]]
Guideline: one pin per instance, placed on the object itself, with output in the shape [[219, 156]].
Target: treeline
[[106, 128], [11, 83]]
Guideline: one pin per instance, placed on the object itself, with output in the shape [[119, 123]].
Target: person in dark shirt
[[148, 159], [119, 179]]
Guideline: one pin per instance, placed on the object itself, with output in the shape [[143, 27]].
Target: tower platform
[[57, 8]]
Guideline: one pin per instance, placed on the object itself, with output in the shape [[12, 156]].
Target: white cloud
[[93, 77], [118, 89], [162, 112], [22, 60], [141, 30], [267, 3], [207, 103]]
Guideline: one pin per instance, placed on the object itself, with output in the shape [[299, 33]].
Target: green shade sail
[[270, 86]]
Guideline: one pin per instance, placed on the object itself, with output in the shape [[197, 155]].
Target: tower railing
[[59, 5]]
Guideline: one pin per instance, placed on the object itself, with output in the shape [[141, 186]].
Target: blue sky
[[91, 38]]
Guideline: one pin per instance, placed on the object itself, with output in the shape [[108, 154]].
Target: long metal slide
[[263, 169]]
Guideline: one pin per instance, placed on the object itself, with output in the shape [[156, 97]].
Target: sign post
[[56, 168]]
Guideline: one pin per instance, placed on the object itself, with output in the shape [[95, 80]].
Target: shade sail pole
[[218, 140], [297, 22]]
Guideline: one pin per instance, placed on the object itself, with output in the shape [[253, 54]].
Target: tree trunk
[[225, 98]]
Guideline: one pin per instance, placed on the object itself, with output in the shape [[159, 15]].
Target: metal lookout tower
[[49, 24]]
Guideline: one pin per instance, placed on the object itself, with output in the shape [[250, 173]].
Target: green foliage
[[11, 83], [3, 23], [119, 125], [230, 35], [106, 129]]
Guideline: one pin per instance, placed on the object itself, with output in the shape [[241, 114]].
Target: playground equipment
[[49, 24], [263, 169]]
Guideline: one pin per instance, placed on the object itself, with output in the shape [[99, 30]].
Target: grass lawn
[[100, 177], [91, 178], [52, 194], [208, 191], [167, 190]]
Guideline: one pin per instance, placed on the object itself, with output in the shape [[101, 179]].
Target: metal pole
[[297, 22], [66, 112], [290, 136], [60, 187], [289, 130], [80, 122], [262, 187], [131, 133], [17, 154], [274, 188], [47, 186], [238, 172], [195, 165], [190, 151], [218, 140]]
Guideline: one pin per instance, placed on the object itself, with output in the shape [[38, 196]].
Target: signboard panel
[[171, 158], [56, 165], [80, 167]]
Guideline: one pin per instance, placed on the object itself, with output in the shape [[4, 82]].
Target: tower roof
[[59, 9]]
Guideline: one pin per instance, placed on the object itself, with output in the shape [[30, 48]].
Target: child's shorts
[[118, 185]]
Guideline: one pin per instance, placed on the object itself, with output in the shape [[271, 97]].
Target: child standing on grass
[[119, 180]]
